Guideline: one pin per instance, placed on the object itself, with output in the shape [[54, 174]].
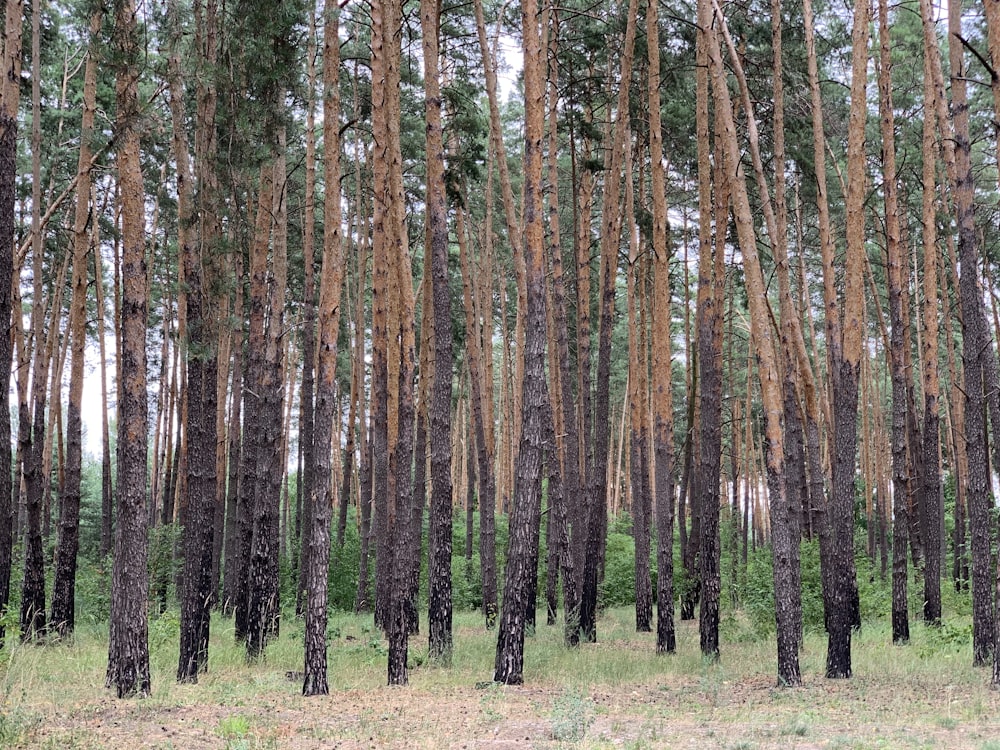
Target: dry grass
[[613, 694]]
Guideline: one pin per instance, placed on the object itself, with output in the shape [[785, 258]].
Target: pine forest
[[642, 355]]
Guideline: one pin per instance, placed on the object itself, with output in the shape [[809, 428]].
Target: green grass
[[615, 693]]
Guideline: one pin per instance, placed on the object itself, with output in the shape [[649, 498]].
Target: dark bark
[[128, 648], [199, 589], [33, 586], [470, 493], [232, 543], [8, 175], [362, 599], [525, 513], [841, 618]]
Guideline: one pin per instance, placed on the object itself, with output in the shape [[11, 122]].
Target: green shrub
[[617, 589]]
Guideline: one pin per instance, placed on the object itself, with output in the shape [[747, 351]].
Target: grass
[[615, 693]]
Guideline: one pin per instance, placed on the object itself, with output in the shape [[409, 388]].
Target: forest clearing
[[613, 694]]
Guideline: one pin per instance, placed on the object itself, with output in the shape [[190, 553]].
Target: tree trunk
[[509, 665], [197, 255], [786, 618], [307, 445], [977, 348], [33, 587], [331, 283], [483, 429], [610, 235], [900, 384], [63, 613], [128, 648], [662, 362], [932, 501], [439, 563], [846, 365], [234, 510], [9, 96]]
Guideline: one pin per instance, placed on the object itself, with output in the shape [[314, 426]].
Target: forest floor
[[612, 694]]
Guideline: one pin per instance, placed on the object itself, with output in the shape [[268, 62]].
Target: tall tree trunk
[[932, 501], [9, 98], [483, 430], [844, 614], [307, 445], [573, 498], [900, 384], [63, 612], [331, 283], [128, 647], [831, 316], [439, 600], [509, 664], [638, 409], [33, 587], [263, 606], [234, 510], [977, 348], [764, 346], [202, 346], [662, 363], [611, 219], [250, 480]]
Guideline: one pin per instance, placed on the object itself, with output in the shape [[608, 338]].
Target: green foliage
[[16, 726], [344, 567], [572, 713], [93, 593], [617, 589], [163, 564]]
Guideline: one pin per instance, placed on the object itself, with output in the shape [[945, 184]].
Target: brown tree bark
[[128, 648], [900, 384], [307, 445], [977, 348], [662, 435], [63, 612], [764, 346], [932, 500], [33, 586], [611, 219], [200, 275], [509, 664]]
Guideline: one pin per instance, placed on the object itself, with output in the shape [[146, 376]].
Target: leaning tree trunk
[[787, 619]]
